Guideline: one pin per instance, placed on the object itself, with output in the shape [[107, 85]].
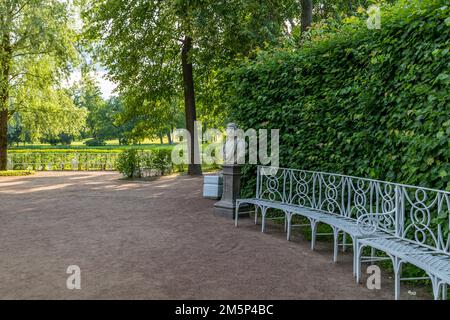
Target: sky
[[107, 87]]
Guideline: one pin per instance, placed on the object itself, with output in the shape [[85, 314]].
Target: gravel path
[[153, 240]]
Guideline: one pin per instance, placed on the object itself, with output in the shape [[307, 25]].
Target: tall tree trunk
[[307, 8], [169, 137], [5, 65], [4, 114], [189, 105], [161, 140], [3, 136]]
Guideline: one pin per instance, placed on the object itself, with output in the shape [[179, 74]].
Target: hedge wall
[[371, 103]]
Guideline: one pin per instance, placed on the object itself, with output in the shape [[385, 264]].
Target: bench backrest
[[425, 217], [416, 214]]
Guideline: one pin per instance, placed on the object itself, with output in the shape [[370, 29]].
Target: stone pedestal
[[231, 188]]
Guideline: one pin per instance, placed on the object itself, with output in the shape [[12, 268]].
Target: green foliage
[[103, 115], [16, 132], [87, 95], [140, 43], [16, 173], [371, 103]]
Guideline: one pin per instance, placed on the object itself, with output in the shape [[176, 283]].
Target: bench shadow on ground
[[324, 248]]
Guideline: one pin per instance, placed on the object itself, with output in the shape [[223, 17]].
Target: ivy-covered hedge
[[371, 103]]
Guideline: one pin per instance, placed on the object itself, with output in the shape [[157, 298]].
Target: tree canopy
[[161, 54], [37, 46], [159, 50]]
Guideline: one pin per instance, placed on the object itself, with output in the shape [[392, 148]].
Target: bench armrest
[[370, 223]]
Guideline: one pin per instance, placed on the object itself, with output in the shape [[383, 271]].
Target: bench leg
[[313, 233], [289, 226], [436, 287], [344, 242], [444, 291], [355, 248], [236, 214], [263, 220], [397, 273], [335, 244], [358, 253], [256, 214], [372, 255], [285, 221]]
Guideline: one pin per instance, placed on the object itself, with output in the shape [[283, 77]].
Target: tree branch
[[31, 53], [14, 14]]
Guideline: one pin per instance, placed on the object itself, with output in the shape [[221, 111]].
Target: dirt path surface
[[153, 240]]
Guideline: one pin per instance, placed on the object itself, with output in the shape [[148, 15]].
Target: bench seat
[[286, 208], [435, 263]]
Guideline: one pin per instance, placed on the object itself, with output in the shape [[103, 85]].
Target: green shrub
[[159, 159], [13, 173], [370, 103], [95, 143], [129, 163]]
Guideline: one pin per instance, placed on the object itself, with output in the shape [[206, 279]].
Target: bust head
[[229, 148]]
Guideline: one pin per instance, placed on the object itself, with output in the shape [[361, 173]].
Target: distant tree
[[87, 94], [15, 131], [62, 138]]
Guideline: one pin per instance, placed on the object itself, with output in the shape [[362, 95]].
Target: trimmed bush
[[79, 161], [70, 159], [95, 143], [370, 103], [14, 173], [62, 151]]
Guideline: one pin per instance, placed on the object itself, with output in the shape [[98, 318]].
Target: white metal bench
[[422, 237], [390, 217]]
